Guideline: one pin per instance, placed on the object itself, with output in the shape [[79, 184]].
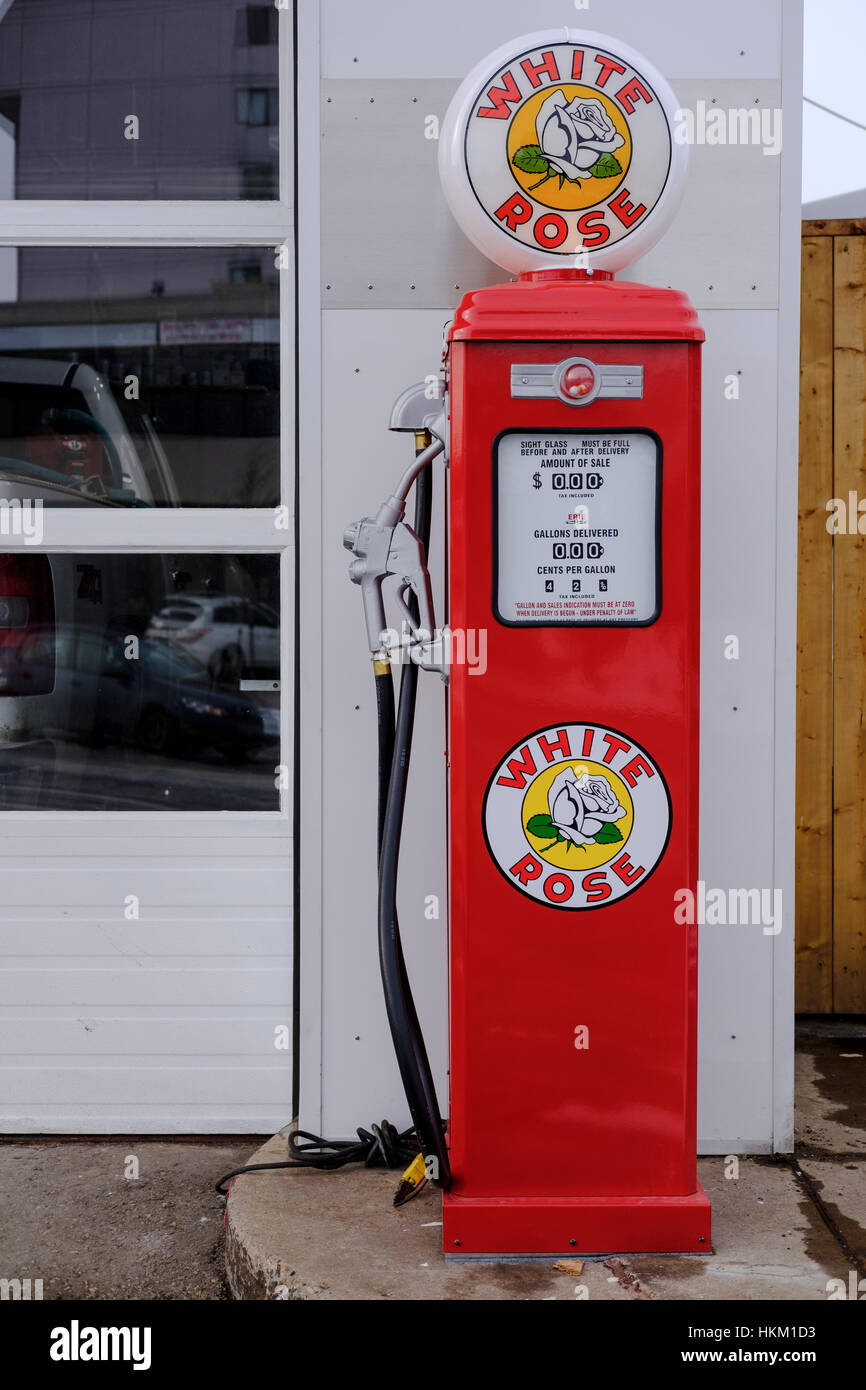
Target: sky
[[834, 63]]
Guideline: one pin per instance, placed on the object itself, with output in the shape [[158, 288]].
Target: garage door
[[146, 567]]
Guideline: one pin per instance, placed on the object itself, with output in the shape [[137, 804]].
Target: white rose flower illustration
[[575, 139], [582, 811]]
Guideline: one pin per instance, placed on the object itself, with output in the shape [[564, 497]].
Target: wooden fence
[[831, 627]]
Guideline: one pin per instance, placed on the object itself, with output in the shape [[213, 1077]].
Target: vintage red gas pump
[[571, 424]]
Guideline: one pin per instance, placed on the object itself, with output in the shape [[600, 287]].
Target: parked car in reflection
[[227, 634], [64, 441], [96, 687]]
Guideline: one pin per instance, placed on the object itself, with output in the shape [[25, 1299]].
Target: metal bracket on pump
[[387, 546]]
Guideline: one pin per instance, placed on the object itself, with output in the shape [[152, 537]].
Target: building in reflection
[[187, 339], [199, 77]]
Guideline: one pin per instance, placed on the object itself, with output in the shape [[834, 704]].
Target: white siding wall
[[368, 79]]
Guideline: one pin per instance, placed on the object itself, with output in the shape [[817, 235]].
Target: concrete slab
[[337, 1236], [842, 1191], [308, 1235], [768, 1240], [781, 1231], [831, 1088]]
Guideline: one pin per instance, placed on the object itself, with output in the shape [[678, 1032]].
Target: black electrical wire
[[385, 1146]]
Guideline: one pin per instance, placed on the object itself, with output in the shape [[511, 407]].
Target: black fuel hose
[[385, 1145], [385, 719], [406, 1034]]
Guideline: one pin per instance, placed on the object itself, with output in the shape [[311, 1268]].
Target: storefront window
[[119, 99], [135, 682], [139, 377]]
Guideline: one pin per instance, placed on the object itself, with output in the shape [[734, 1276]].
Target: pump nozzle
[[383, 551]]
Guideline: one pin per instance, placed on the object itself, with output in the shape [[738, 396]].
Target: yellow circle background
[[579, 858], [570, 197]]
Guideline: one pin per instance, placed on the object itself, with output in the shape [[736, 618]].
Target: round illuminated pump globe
[[563, 148]]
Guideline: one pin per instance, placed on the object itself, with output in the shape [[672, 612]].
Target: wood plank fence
[[831, 627]]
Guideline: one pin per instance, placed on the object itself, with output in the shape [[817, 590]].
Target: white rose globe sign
[[558, 149], [577, 816]]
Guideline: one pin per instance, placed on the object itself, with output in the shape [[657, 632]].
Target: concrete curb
[[252, 1273], [307, 1235]]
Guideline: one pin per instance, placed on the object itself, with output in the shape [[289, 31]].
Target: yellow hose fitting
[[412, 1180]]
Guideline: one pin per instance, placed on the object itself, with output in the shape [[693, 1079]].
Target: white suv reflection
[[228, 635]]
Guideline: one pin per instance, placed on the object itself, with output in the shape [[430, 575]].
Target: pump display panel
[[577, 528]]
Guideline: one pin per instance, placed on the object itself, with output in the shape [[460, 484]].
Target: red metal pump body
[[572, 982]]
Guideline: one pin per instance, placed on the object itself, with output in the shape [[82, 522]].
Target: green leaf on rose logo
[[608, 835], [607, 166], [530, 159], [542, 828]]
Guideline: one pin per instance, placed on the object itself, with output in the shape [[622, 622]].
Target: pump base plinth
[[576, 1225]]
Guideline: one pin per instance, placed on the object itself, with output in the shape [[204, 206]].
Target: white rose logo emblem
[[576, 139], [581, 811], [576, 815], [581, 806]]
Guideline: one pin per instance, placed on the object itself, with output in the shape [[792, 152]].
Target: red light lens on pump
[[577, 380]]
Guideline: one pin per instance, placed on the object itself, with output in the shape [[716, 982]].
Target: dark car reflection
[[119, 689]]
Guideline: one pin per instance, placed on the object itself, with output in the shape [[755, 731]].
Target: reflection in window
[[258, 106], [140, 378], [259, 181], [139, 682], [257, 24], [73, 74]]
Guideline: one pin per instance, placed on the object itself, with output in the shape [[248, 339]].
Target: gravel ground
[[70, 1217]]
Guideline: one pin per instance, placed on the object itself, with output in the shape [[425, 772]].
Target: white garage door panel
[[183, 1116], [170, 936], [241, 1030], [152, 883], [45, 1081], [164, 1024], [31, 832], [70, 846], [82, 983]]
